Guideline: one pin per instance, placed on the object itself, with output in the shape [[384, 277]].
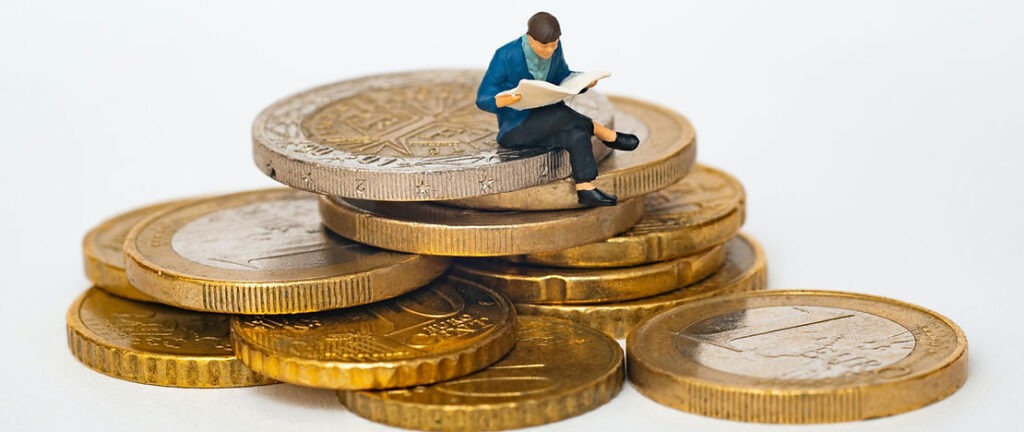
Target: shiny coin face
[[444, 330], [744, 270], [103, 251], [666, 154], [704, 209], [155, 344], [797, 357], [435, 229], [413, 136], [263, 252], [558, 369], [547, 285]]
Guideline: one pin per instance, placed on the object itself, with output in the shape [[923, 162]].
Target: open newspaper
[[537, 93]]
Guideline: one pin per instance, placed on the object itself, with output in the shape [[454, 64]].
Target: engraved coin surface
[[667, 151], [445, 330], [413, 136], [546, 285], [263, 252], [558, 369], [435, 229], [704, 209], [155, 344], [744, 270], [103, 251], [797, 357]]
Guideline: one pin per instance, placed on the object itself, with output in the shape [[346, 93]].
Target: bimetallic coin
[[445, 330], [558, 369], [155, 344], [704, 209], [545, 285], [263, 252], [413, 136], [435, 229], [744, 270], [103, 251], [797, 357], [666, 153]]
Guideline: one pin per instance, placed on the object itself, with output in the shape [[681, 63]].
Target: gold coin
[[543, 285], [744, 270], [704, 209], [155, 344], [103, 251], [445, 330], [409, 136], [263, 252], [666, 153], [558, 369], [797, 357], [435, 229]]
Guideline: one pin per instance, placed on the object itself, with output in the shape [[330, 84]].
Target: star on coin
[[422, 189], [486, 185]]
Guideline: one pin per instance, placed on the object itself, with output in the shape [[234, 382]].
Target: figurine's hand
[[504, 100]]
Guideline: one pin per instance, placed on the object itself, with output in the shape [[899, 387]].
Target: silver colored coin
[[413, 136]]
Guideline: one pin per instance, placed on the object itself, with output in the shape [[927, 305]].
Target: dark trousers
[[562, 127]]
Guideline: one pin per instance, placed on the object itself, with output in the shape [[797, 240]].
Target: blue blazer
[[506, 69]]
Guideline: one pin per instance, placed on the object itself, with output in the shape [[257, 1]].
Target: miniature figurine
[[538, 55]]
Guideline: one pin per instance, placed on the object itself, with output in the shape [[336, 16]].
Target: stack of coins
[[435, 279]]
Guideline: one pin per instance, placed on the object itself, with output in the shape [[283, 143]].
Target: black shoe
[[623, 141], [594, 198], [607, 195]]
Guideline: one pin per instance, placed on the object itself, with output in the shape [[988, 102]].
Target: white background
[[879, 142]]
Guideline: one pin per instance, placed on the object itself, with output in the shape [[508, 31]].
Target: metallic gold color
[[558, 369], [445, 330], [155, 344], [103, 251], [412, 136], [702, 210], [543, 285], [797, 357], [263, 252], [744, 270], [667, 151], [435, 229]]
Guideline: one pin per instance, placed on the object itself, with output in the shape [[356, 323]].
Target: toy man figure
[[538, 55]]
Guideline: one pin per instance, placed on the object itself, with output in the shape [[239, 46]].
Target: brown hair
[[543, 27]]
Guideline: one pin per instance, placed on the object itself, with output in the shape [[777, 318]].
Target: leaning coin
[[546, 285], [702, 210], [263, 252], [445, 330], [797, 357], [666, 153], [412, 136], [155, 344], [103, 251], [435, 229], [744, 270], [558, 369]]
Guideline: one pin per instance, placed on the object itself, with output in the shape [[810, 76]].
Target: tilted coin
[[666, 153], [263, 252], [155, 344], [744, 270], [546, 285], [435, 229], [413, 136], [558, 369], [797, 357], [445, 330], [103, 251], [703, 209]]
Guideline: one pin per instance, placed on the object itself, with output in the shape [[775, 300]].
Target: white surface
[[879, 143]]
